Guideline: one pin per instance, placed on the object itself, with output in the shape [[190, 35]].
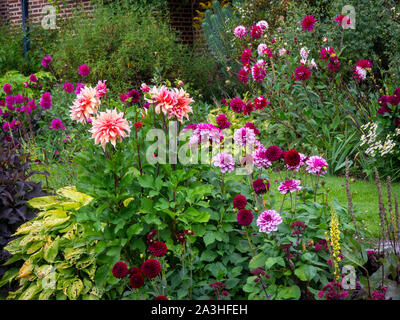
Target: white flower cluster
[[304, 54], [375, 146]]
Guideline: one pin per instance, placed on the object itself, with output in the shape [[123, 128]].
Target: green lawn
[[364, 195]]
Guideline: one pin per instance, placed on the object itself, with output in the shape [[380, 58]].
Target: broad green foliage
[[58, 254]]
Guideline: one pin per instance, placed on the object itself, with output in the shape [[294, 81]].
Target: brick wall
[[11, 12], [181, 14]]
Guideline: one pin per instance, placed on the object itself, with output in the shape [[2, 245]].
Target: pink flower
[[163, 98], [123, 97], [33, 78], [244, 137], [237, 105], [181, 107], [262, 24], [326, 53], [260, 158], [224, 161], [45, 101], [240, 32], [289, 186], [263, 50], [308, 23], [245, 57], [85, 105], [268, 221], [101, 88], [84, 70], [68, 87], [343, 21], [243, 76], [258, 71], [108, 127], [260, 102], [360, 74], [46, 61], [144, 87], [365, 64], [317, 165], [302, 73], [79, 87], [203, 133], [56, 124], [256, 32], [7, 88]]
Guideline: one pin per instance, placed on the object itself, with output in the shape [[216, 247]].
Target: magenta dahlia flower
[[333, 291], [302, 73], [317, 165], [19, 98], [289, 186], [45, 101], [56, 124], [151, 268], [308, 23], [239, 201], [263, 25], [260, 102], [158, 248], [256, 32], [68, 87], [120, 270], [360, 74], [260, 158], [252, 126], [33, 78], [269, 221], [7, 88], [245, 57], [244, 217], [46, 61], [343, 21], [84, 70], [224, 161], [258, 71], [222, 121], [237, 105], [204, 133], [326, 53], [240, 32], [334, 63]]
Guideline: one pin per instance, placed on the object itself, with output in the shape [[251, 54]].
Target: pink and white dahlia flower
[[244, 137], [258, 71], [108, 127], [268, 221], [101, 88], [240, 32], [203, 133], [260, 158], [224, 161], [317, 165], [263, 25], [85, 105], [289, 186]]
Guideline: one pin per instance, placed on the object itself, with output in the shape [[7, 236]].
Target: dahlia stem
[[283, 201], [249, 240]]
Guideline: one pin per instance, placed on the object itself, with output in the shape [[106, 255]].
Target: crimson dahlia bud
[[120, 270], [188, 232], [323, 182], [239, 202]]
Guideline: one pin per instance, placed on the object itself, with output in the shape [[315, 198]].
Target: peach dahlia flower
[[163, 98], [108, 127], [182, 107], [85, 105]]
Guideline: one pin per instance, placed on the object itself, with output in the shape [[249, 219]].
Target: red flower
[[239, 202], [151, 268], [308, 23], [138, 125], [134, 270], [256, 32], [274, 153], [365, 64], [136, 280], [292, 158], [260, 187], [244, 217], [339, 19], [245, 58], [243, 76], [302, 73], [248, 108], [237, 105], [181, 237], [158, 248], [252, 126], [161, 298], [120, 270]]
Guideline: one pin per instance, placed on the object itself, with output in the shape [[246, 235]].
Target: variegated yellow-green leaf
[[71, 193], [30, 293], [44, 202], [35, 247], [44, 270], [26, 270], [13, 246], [73, 288], [32, 226], [45, 294], [73, 253], [54, 221], [50, 250]]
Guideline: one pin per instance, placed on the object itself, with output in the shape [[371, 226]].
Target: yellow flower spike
[[335, 243]]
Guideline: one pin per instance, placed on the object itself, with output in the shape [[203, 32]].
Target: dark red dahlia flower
[[244, 217], [260, 102], [239, 202], [334, 63], [135, 95], [345, 24], [292, 158], [274, 153], [365, 64], [252, 126], [308, 23], [248, 108], [161, 298], [134, 270], [302, 73], [151, 268], [158, 248], [260, 186], [136, 280], [120, 270]]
